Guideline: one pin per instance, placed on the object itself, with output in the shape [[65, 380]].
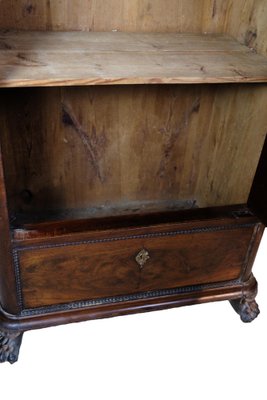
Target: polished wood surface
[[71, 58], [102, 264], [24, 232], [42, 317], [8, 297]]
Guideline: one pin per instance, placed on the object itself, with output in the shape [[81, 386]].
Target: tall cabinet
[[133, 166]]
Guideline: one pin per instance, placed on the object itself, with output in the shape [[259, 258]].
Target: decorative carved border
[[124, 298], [17, 278], [117, 299]]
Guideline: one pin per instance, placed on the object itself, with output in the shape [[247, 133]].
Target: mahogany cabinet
[[133, 166]]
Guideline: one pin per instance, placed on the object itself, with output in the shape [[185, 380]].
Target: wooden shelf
[[82, 58]]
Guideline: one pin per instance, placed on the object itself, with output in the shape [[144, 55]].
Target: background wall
[[198, 352]]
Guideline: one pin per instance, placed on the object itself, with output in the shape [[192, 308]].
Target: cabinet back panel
[[106, 15], [118, 148]]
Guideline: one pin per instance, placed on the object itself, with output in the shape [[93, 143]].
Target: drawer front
[[68, 272]]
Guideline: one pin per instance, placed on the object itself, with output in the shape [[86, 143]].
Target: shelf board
[[95, 58]]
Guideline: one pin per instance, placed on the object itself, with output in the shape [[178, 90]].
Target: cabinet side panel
[[246, 20], [8, 296], [258, 195]]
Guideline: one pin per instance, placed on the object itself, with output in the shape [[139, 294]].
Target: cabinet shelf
[[95, 58]]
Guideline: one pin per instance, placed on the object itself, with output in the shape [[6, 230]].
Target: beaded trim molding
[[204, 229], [131, 297]]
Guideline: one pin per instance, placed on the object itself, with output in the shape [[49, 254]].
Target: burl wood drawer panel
[[111, 266]]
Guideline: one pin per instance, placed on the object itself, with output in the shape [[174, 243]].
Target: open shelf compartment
[[97, 152]]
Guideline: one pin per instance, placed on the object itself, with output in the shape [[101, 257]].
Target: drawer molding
[[215, 228], [131, 297]]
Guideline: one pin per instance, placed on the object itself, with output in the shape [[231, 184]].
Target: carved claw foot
[[9, 346], [247, 308]]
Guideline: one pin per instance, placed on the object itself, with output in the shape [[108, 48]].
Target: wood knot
[[250, 38]]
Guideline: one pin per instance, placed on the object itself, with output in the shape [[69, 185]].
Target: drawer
[[113, 265]]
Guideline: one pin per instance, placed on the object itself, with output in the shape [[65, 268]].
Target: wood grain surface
[[246, 20], [105, 150], [135, 155], [71, 58], [72, 149], [8, 297], [234, 133]]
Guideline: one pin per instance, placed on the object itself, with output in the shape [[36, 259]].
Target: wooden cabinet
[[133, 164]]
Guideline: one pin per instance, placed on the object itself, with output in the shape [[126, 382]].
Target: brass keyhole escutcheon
[[142, 257]]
